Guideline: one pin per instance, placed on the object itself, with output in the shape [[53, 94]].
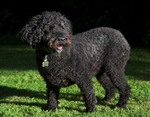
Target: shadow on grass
[[17, 58], [8, 92], [139, 70], [36, 104]]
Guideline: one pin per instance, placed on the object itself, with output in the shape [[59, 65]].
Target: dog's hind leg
[[89, 97], [117, 77], [107, 84]]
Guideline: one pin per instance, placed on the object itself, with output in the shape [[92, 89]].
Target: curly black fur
[[101, 52]]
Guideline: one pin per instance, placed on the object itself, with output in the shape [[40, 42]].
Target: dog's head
[[49, 30]]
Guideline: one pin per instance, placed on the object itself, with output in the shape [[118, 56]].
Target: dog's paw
[[91, 109], [121, 105], [48, 108]]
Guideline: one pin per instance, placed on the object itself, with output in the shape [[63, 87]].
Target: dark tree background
[[131, 17]]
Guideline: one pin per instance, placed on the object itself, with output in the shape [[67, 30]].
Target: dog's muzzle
[[58, 44]]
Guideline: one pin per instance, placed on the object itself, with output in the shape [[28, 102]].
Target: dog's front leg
[[90, 100], [52, 97]]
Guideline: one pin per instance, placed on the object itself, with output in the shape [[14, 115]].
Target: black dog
[[64, 59]]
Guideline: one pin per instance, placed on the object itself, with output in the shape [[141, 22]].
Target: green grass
[[22, 90]]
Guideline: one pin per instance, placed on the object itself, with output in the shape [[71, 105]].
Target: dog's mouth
[[59, 48], [59, 44]]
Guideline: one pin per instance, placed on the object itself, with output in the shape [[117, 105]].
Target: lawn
[[22, 90]]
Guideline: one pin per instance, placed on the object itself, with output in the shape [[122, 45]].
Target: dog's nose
[[61, 39]]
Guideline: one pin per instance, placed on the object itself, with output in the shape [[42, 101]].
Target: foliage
[[131, 18], [22, 90]]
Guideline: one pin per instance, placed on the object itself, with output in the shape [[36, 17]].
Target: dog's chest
[[56, 71]]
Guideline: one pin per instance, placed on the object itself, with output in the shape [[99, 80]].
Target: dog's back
[[98, 46]]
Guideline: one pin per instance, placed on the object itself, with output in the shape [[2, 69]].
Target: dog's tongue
[[59, 47]]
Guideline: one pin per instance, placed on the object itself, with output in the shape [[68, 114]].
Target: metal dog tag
[[45, 63]]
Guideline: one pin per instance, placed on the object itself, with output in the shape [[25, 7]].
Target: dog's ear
[[31, 32]]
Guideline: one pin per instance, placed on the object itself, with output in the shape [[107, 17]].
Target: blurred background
[[132, 17]]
